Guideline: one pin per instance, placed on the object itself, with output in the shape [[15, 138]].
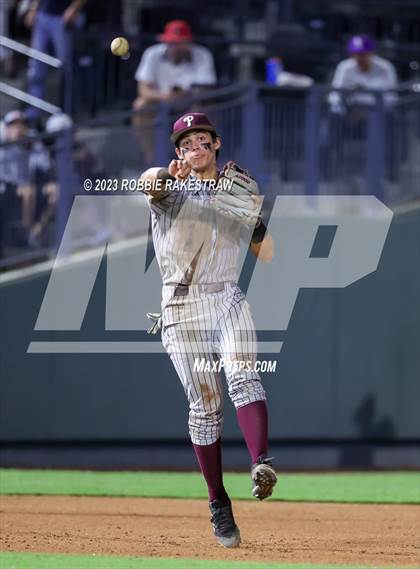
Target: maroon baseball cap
[[191, 121]]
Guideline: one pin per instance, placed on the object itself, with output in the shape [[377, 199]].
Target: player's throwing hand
[[179, 169]]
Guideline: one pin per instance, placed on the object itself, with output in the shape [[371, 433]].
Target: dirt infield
[[380, 535]]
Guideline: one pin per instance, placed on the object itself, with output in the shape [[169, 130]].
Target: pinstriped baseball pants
[[211, 326]]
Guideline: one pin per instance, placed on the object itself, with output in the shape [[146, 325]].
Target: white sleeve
[[338, 82], [391, 75], [206, 73], [340, 76], [146, 71]]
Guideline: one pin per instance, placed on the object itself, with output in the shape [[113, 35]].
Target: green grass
[[46, 561], [386, 488]]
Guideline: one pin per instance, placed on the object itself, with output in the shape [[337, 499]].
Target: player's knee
[[205, 426], [243, 390], [206, 418]]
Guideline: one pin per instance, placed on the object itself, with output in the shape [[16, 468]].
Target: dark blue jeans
[[49, 31]]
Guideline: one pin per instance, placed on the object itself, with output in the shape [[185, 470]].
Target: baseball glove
[[240, 200]]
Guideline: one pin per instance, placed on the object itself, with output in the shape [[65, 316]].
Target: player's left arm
[[72, 11], [262, 244]]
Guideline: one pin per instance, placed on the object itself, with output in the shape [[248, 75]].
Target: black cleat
[[223, 522]]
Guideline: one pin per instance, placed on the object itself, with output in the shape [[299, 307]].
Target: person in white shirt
[[26, 176], [167, 71], [173, 67], [363, 70]]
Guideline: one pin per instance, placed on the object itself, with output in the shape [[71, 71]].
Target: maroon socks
[[253, 420], [210, 460]]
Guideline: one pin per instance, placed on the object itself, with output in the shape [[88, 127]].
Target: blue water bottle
[[273, 68]]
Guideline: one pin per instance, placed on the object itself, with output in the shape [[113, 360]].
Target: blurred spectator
[[57, 123], [166, 72], [52, 22], [362, 70], [28, 194], [5, 8], [175, 66], [276, 75]]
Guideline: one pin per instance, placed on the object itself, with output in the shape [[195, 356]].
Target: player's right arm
[[156, 178]]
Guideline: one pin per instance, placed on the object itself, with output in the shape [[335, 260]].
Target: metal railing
[[30, 52], [288, 138], [24, 97], [20, 95]]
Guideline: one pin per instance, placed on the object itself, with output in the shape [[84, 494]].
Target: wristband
[[259, 232]]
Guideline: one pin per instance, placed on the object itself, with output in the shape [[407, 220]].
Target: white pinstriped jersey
[[193, 244]]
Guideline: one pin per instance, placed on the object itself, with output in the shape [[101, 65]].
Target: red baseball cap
[[176, 31], [191, 121]]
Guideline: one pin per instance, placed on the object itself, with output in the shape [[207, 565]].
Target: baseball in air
[[120, 47]]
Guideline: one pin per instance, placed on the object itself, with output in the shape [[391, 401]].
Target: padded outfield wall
[[349, 367]]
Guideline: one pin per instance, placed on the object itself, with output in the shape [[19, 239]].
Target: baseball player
[[199, 216]]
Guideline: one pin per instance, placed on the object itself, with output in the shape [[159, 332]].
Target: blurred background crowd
[[315, 97]]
